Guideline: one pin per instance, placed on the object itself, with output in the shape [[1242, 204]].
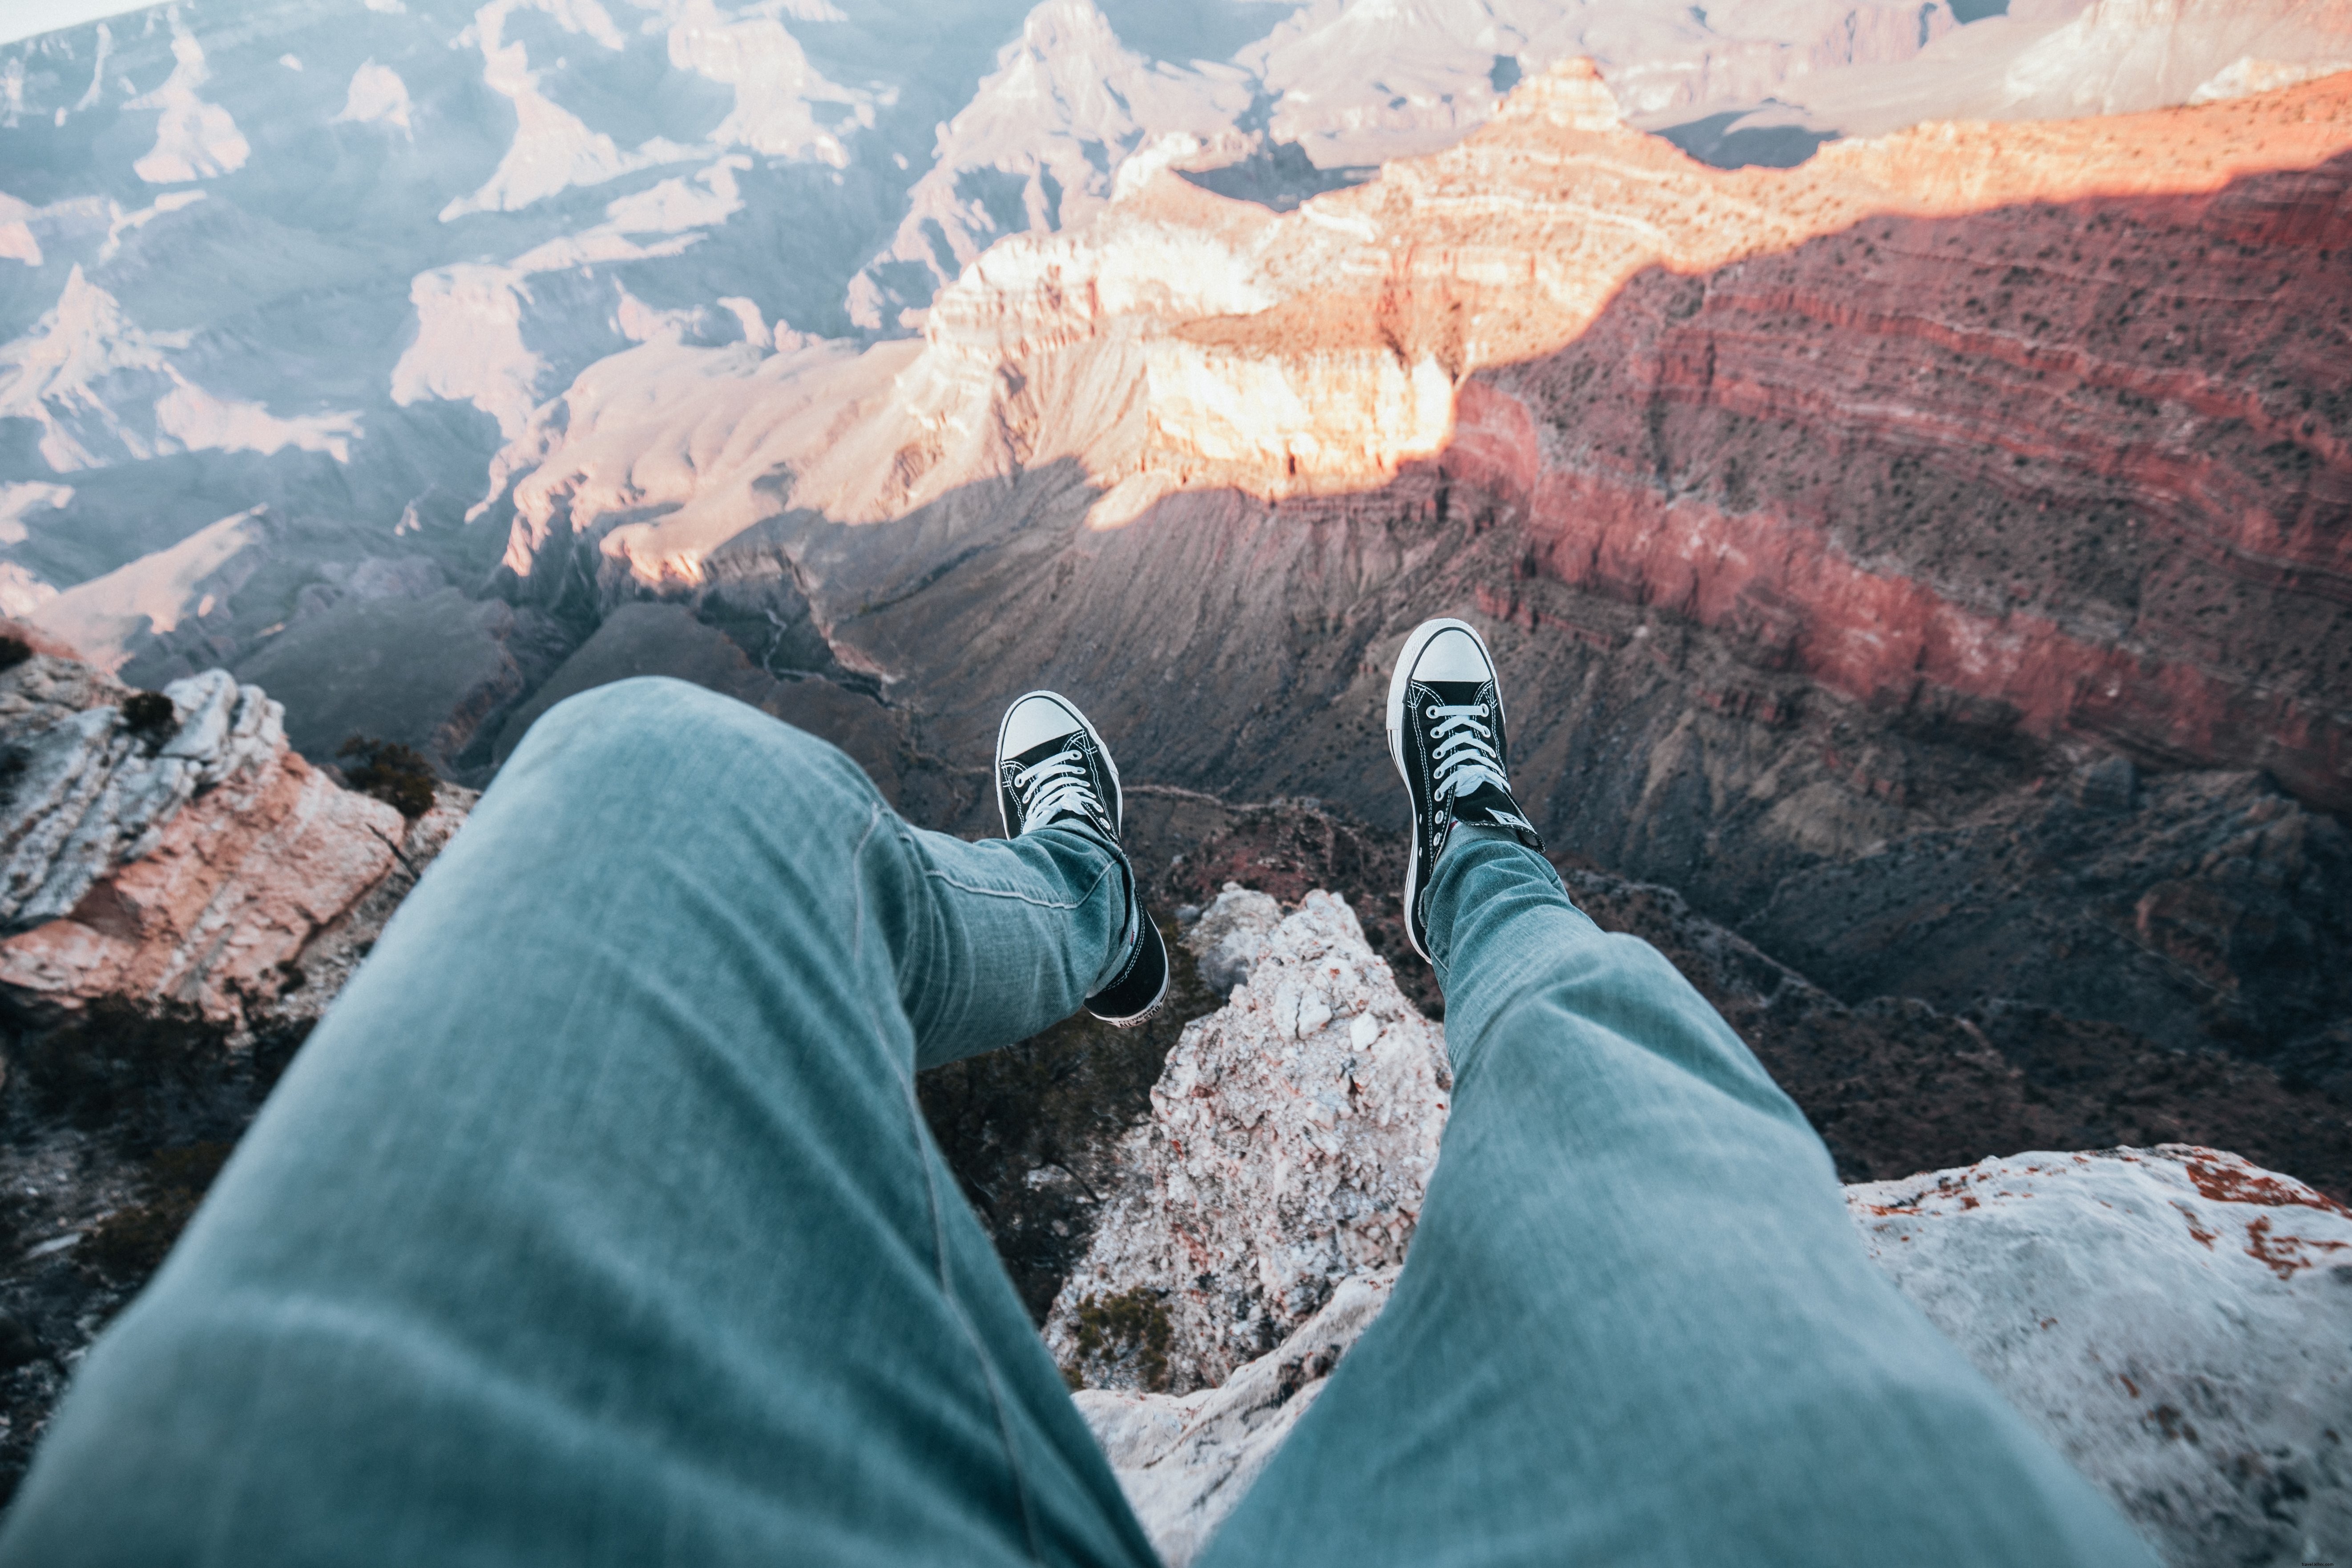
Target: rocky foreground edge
[[2174, 1318], [171, 848], [181, 896]]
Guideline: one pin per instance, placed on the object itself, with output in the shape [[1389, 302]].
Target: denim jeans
[[597, 1224]]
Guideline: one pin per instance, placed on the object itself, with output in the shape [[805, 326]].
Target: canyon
[[1900, 457], [1930, 559]]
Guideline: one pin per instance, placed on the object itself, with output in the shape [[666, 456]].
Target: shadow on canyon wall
[[1956, 609]]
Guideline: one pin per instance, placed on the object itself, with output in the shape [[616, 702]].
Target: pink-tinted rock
[[189, 860]]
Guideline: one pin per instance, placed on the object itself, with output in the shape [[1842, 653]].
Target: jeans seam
[[1008, 893], [938, 876], [937, 1209]]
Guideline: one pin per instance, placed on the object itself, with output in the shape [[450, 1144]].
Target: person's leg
[[597, 1222], [1635, 1325]]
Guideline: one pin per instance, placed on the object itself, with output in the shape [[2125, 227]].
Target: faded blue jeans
[[597, 1224]]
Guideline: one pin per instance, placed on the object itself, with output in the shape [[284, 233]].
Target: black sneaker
[[1053, 770], [1445, 731]]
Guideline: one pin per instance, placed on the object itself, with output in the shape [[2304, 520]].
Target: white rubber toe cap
[[1453, 655], [1039, 717]]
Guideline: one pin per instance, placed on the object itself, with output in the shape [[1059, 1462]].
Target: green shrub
[[1113, 1327], [395, 774]]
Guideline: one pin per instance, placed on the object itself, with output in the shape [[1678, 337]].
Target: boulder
[[2174, 1318], [1290, 1138], [168, 847], [1230, 935]]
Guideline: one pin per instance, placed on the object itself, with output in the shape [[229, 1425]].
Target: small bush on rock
[[13, 652], [395, 774], [130, 1243], [149, 716], [1114, 1328]]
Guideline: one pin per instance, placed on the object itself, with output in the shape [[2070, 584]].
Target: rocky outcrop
[[92, 790], [1291, 1135], [168, 847], [2170, 1318], [183, 897], [1185, 1460]]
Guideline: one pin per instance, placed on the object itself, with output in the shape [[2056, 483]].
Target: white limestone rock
[[1184, 1461], [1231, 935], [2176, 1321], [93, 795], [1291, 1136]]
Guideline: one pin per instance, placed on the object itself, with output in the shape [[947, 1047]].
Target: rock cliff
[[1290, 1137], [168, 846], [1929, 559], [181, 896], [2170, 1318], [2031, 424]]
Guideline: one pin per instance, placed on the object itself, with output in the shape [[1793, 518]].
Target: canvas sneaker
[[1053, 771], [1445, 731]]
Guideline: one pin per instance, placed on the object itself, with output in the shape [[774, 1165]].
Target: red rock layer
[[2079, 466]]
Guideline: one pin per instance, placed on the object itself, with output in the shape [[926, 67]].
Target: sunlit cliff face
[[1317, 350], [1459, 312]]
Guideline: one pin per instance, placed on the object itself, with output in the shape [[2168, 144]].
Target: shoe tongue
[[1478, 806], [1043, 750], [1454, 693]]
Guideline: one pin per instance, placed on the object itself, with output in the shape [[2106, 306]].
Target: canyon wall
[[2038, 425], [1932, 558]]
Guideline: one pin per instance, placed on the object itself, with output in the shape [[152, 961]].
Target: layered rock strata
[[2036, 418], [2170, 1318], [170, 848], [1838, 528]]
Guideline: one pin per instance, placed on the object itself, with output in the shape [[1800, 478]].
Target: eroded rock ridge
[[2170, 1318]]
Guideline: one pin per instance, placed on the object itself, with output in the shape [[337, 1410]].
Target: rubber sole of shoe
[[1151, 1008], [1100, 750], [1399, 679]]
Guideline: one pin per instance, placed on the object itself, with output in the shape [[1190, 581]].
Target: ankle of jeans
[[1461, 848], [1128, 934]]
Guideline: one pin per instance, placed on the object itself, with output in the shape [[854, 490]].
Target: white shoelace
[[1056, 784], [1464, 752]]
